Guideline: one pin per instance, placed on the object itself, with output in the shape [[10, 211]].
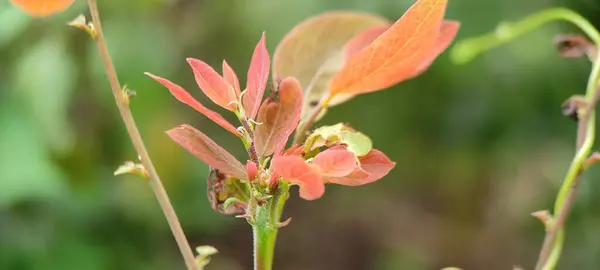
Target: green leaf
[[357, 142]]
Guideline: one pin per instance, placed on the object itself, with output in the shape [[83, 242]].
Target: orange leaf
[[373, 167], [295, 170], [312, 51], [213, 85], [396, 54], [183, 96], [362, 40], [231, 77], [335, 162], [278, 118], [42, 8], [447, 33], [207, 150], [258, 75]]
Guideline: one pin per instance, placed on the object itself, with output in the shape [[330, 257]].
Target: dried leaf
[[312, 51], [207, 150], [220, 188], [373, 167], [231, 77], [183, 96], [575, 46], [215, 87], [295, 170], [395, 55], [335, 162], [278, 118], [42, 8], [258, 75]]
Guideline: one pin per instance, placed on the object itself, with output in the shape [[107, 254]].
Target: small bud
[[545, 217], [127, 94], [81, 23], [593, 158], [131, 167], [251, 170], [572, 106], [273, 181], [204, 253]]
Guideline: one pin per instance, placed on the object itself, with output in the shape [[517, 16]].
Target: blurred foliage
[[478, 147]]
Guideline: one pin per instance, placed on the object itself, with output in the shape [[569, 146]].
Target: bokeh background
[[478, 147]]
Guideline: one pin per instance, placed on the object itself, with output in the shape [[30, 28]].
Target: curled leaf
[[183, 96], [335, 162], [313, 53], [295, 170], [132, 167], [258, 75], [396, 54], [215, 87], [356, 142], [373, 167], [207, 150], [278, 117], [575, 46], [81, 23], [42, 8]]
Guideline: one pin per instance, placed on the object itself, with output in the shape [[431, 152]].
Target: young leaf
[[312, 51], [258, 75], [295, 170], [335, 162], [278, 118], [395, 55], [207, 150], [42, 8], [183, 96], [373, 167], [213, 85], [356, 142], [231, 77]]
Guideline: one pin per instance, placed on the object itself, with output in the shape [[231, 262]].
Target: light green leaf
[[357, 142]]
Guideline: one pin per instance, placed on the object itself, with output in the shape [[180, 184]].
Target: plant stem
[[466, 50], [303, 128], [136, 139], [265, 227]]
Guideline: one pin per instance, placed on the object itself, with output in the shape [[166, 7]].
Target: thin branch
[[303, 128], [136, 139], [560, 217]]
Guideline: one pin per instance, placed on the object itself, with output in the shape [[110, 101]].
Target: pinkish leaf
[[373, 167], [213, 85], [295, 170], [231, 77], [278, 118], [335, 162], [448, 31], [207, 150], [258, 74], [364, 38], [183, 96]]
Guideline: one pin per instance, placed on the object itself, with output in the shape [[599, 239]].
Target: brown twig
[[561, 216], [136, 139]]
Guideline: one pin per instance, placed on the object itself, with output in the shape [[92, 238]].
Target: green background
[[478, 147]]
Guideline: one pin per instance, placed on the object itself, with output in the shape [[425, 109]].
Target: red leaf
[[364, 38], [231, 77], [42, 8], [207, 150], [180, 94], [278, 118], [295, 170], [373, 167], [213, 85], [396, 54], [258, 74], [335, 162], [447, 33]]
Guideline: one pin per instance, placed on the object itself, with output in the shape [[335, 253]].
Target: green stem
[[467, 50], [265, 227]]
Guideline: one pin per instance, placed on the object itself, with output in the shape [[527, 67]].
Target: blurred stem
[[265, 226], [303, 128], [136, 139], [467, 50]]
